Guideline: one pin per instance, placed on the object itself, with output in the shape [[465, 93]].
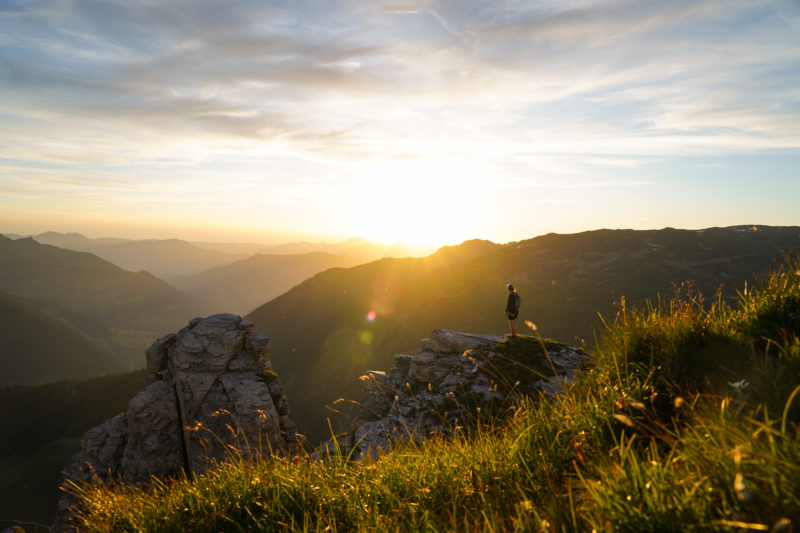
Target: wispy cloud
[[309, 87]]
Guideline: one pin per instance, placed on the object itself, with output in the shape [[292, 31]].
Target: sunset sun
[[423, 204]]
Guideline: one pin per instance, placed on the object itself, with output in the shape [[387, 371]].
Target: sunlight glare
[[430, 203]]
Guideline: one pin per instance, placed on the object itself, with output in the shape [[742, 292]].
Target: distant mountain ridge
[[358, 248], [76, 241], [327, 338], [175, 260], [120, 311], [242, 286], [169, 259]]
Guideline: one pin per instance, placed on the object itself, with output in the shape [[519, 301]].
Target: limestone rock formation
[[209, 389], [451, 380]]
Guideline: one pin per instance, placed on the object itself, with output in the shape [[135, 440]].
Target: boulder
[[446, 341], [209, 391], [454, 379]]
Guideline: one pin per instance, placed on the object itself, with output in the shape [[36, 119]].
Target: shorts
[[512, 316]]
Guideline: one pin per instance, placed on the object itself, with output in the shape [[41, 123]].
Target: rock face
[[453, 379], [209, 388]]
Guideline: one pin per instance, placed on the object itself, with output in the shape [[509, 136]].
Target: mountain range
[[335, 326], [169, 259], [242, 286], [176, 260], [358, 248], [117, 311], [69, 312], [95, 315]]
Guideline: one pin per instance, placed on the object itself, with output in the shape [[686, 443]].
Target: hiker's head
[[510, 287]]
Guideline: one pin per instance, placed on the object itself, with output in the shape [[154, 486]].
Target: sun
[[425, 207]]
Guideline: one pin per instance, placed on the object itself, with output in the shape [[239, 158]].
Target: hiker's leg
[[513, 325]]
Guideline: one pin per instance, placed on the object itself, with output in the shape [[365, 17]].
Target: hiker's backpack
[[517, 300]]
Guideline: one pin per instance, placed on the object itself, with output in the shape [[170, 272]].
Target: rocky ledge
[[210, 389], [451, 381]]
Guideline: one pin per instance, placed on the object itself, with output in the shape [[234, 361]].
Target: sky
[[431, 121]]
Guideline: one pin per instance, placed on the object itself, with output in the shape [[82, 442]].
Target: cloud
[[197, 83]]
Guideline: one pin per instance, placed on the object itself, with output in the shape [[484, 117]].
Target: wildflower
[[737, 455], [784, 525], [636, 405], [742, 492], [678, 402], [739, 385], [526, 505], [624, 419]]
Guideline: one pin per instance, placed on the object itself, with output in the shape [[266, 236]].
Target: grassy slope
[[653, 437], [90, 285], [319, 328], [35, 348], [132, 309], [36, 415]]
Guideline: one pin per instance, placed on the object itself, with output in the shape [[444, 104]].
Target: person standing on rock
[[512, 308]]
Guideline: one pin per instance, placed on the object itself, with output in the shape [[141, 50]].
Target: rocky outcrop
[[210, 392], [454, 379]]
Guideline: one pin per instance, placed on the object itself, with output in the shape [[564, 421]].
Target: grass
[[687, 420]]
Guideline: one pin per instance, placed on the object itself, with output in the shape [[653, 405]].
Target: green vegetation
[[29, 483], [268, 376], [41, 429], [36, 415], [322, 340], [687, 420], [37, 348], [117, 311]]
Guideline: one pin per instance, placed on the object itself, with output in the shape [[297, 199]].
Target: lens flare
[[366, 337], [371, 315]]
